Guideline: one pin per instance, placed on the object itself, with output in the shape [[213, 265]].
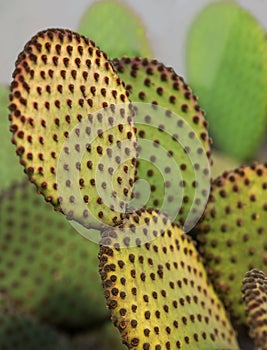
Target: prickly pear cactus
[[116, 29], [158, 293], [255, 296], [10, 169], [104, 337], [46, 267], [178, 166], [227, 68], [233, 232], [71, 138], [22, 332]]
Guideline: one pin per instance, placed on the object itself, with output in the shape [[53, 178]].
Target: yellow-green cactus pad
[[227, 67], [233, 236], [10, 168], [116, 28], [255, 296], [22, 332], [65, 122], [158, 293], [176, 126], [46, 267]]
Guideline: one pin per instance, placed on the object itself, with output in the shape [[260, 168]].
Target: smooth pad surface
[[116, 28], [227, 67]]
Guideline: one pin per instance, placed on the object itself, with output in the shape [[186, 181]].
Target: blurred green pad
[[22, 332], [221, 163], [116, 29], [49, 269], [11, 170], [227, 68]]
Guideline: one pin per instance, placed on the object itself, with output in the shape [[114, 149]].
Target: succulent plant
[[158, 293], [59, 138], [88, 132], [255, 296], [227, 68], [46, 268], [119, 34], [178, 129], [233, 232], [22, 332]]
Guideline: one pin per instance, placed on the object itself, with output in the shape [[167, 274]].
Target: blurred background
[[167, 23]]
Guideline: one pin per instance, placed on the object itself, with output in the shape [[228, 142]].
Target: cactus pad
[[178, 128], [64, 121], [158, 293], [233, 232], [10, 169], [227, 68], [47, 268], [116, 28], [255, 296], [22, 332]]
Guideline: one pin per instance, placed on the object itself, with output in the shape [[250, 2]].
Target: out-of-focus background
[[167, 23]]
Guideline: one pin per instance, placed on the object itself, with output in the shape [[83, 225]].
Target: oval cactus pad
[[177, 169], [233, 235], [46, 268], [158, 293], [227, 67], [116, 28], [64, 120]]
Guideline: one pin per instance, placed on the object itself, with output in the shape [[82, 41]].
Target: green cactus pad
[[65, 122], [10, 168], [47, 268], [22, 332], [177, 126], [158, 293], [227, 68], [255, 296], [105, 337], [116, 28], [233, 232]]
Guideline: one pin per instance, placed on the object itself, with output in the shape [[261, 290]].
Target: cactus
[[233, 232], [222, 162], [10, 169], [255, 296], [64, 124], [116, 28], [158, 293], [48, 269], [22, 332], [179, 128], [227, 67], [105, 337]]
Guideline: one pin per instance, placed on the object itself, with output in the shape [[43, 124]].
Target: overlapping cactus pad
[[158, 293], [116, 28], [46, 267], [255, 296], [61, 79], [179, 174], [233, 232], [227, 68], [22, 332]]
